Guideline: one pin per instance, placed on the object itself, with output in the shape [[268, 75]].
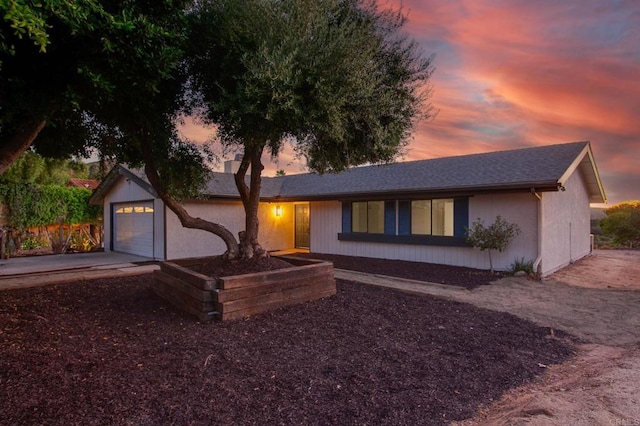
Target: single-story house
[[416, 210]]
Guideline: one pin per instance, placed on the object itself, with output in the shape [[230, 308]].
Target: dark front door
[[302, 226]]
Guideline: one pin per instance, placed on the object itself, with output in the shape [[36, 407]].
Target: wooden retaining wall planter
[[238, 296]]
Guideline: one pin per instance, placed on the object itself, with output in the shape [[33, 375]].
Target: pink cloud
[[513, 74], [193, 129], [518, 73]]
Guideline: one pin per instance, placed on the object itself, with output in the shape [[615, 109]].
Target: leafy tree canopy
[[622, 222], [33, 168], [336, 78], [66, 69]]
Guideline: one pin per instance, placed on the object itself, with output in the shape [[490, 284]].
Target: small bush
[[521, 265], [496, 236], [81, 242], [30, 244]]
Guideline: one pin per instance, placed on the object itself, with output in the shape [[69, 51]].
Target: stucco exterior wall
[[566, 225], [125, 191], [275, 233], [326, 223]]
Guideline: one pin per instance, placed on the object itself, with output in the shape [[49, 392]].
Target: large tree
[[105, 75], [63, 65], [336, 78]]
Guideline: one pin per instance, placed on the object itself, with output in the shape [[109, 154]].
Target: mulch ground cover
[[217, 266], [109, 351], [429, 272]]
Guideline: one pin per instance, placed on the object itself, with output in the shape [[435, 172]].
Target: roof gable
[[586, 164], [113, 177]]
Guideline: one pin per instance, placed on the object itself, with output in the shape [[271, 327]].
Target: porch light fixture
[[278, 211]]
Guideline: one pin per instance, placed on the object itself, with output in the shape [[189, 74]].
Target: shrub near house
[[496, 236], [34, 209]]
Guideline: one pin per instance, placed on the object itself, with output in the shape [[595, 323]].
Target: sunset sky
[[514, 74]]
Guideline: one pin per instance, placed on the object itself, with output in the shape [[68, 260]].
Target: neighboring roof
[[539, 169], [83, 183]]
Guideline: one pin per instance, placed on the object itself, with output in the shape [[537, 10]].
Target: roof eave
[[585, 161], [112, 178], [520, 187]]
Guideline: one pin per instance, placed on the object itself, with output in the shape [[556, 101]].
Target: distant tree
[[335, 78], [78, 169], [281, 172], [26, 169], [31, 167], [622, 223], [496, 236], [98, 170]]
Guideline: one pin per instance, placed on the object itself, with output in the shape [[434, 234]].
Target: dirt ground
[[598, 300]]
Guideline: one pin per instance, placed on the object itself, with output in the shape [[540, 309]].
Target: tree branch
[[250, 196], [20, 141], [239, 176], [185, 218]]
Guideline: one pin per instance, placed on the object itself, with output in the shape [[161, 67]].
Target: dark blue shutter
[[460, 216], [390, 217], [346, 217], [404, 217]]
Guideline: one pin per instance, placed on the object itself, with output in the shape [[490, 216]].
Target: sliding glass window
[[367, 216], [432, 217]]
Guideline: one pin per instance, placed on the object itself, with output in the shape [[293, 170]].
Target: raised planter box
[[238, 296]]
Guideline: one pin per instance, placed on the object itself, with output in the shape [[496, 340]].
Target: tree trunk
[[185, 218], [250, 196], [3, 245], [20, 141]]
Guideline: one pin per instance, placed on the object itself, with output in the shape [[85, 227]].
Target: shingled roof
[[543, 168], [539, 168]]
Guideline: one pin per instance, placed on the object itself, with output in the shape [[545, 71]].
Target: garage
[[133, 228]]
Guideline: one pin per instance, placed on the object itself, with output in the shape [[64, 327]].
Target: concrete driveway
[[23, 272], [60, 262]]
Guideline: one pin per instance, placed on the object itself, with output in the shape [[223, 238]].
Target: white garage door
[[133, 228]]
